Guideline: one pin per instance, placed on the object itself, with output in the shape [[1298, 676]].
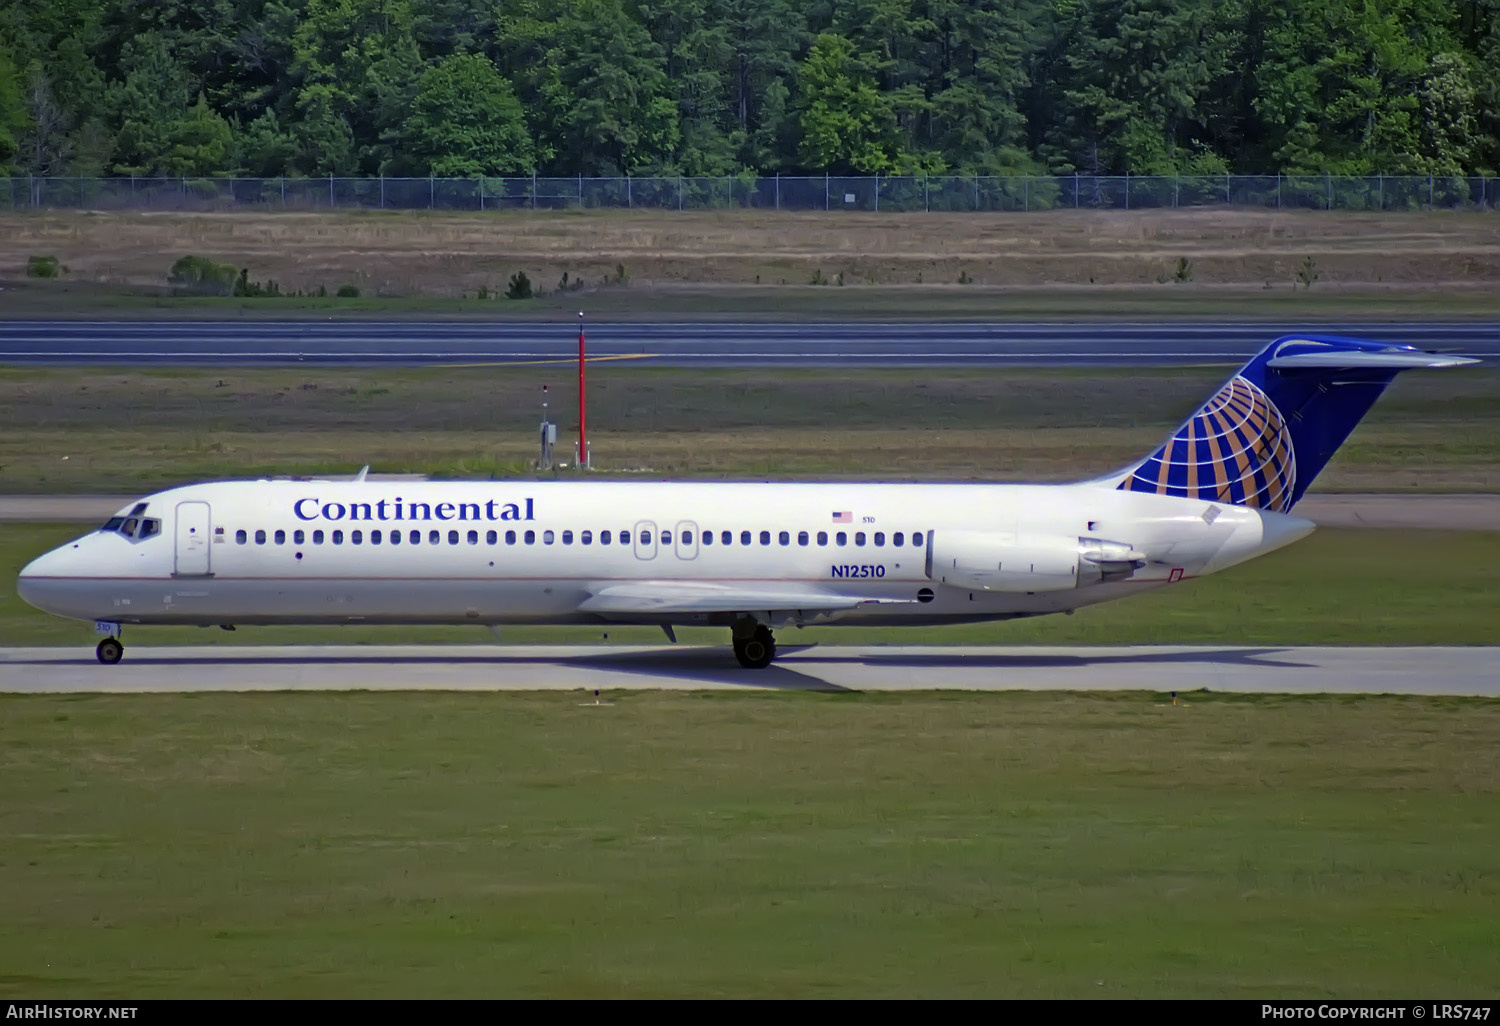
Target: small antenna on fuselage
[[362, 472]]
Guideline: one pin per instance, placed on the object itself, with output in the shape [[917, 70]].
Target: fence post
[[183, 187], [283, 190], [1328, 184], [877, 194], [1075, 190], [825, 191], [431, 193], [330, 190], [1278, 190], [533, 190], [778, 190], [926, 203], [132, 191], [1026, 193], [1381, 191], [1226, 188], [382, 190], [1174, 190], [481, 193], [580, 190], [1127, 190], [976, 193], [629, 193], [1429, 192], [679, 192]]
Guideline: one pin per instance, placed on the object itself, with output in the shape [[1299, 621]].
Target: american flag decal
[[843, 518]]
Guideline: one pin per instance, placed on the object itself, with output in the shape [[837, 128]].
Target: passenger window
[[374, 537], [434, 537], [744, 537], [567, 538], [317, 537], [260, 537], [510, 537], [801, 537], [879, 537], [645, 537], [765, 537], [415, 537], [338, 537], [726, 538], [473, 537], [240, 537], [666, 537], [356, 537], [530, 537], [585, 537], [298, 536], [624, 537], [687, 537], [490, 537], [898, 539], [395, 537], [604, 537], [784, 537], [841, 539], [280, 537], [859, 537], [916, 538], [452, 537], [547, 537], [822, 537], [708, 538]]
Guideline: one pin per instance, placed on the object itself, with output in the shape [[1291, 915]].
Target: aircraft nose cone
[[33, 584]]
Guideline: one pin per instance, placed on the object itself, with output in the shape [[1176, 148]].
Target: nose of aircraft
[[37, 581]]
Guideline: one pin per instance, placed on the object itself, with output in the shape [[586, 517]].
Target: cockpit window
[[113, 524], [150, 526], [128, 528]]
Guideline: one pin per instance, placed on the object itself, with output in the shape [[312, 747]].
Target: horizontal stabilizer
[[651, 597], [1392, 359]]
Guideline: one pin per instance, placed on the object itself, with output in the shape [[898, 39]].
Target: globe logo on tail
[[1236, 449]]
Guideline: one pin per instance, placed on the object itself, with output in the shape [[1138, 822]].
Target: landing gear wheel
[[109, 651], [756, 651]]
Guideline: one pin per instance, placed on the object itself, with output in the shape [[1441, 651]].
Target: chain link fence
[[828, 193]]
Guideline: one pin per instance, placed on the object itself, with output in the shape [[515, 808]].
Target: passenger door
[[193, 537], [645, 539], [686, 540]]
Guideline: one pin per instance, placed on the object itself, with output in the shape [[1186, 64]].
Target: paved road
[[681, 344], [1410, 671], [1437, 512]]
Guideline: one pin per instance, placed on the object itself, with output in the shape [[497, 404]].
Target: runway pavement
[[1436, 512], [1156, 669], [676, 344]]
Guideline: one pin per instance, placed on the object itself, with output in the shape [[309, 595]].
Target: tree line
[[723, 87]]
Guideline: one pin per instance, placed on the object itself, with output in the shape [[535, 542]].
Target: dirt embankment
[[454, 254]]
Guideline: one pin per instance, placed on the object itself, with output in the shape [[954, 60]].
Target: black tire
[[109, 651], [756, 651]]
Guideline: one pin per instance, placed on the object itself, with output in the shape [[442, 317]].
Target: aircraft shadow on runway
[[715, 665]]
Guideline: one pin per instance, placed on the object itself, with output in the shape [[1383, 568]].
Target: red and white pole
[[583, 435]]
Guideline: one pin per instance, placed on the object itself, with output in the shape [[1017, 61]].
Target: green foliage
[[38, 266], [497, 88], [519, 287], [1184, 272], [348, 291], [247, 289], [466, 121], [1307, 272], [202, 276]]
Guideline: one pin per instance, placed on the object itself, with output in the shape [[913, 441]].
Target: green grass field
[[128, 431], [1337, 587], [764, 845]]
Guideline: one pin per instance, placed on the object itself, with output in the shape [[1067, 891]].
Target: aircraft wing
[[652, 597]]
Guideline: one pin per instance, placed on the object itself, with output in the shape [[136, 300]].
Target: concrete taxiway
[[705, 344], [1238, 669]]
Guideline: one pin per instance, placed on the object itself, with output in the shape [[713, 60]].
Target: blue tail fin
[[1263, 438]]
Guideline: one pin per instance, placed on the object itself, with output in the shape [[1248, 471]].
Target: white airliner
[[750, 557]]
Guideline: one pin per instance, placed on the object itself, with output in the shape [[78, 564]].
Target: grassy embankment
[[1341, 587], [1295, 266], [1004, 845], [127, 431]]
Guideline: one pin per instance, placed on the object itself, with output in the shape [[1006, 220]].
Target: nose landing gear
[[756, 648], [109, 651]]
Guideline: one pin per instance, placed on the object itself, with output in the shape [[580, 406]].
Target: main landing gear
[[754, 647], [109, 651]]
